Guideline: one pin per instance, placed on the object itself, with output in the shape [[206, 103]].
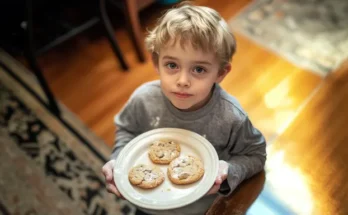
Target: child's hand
[[108, 170], [222, 175]]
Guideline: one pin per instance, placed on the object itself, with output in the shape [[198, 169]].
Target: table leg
[[30, 55]]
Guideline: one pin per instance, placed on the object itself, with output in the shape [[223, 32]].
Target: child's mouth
[[182, 95]]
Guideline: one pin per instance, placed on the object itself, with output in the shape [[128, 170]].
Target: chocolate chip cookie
[[164, 151], [185, 170], [145, 176]]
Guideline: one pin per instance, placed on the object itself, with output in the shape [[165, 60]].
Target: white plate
[[167, 195]]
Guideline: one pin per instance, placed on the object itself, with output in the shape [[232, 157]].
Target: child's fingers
[[214, 189], [218, 180], [223, 177], [107, 171], [112, 189], [223, 170]]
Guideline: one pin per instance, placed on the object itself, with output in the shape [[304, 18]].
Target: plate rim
[[135, 140]]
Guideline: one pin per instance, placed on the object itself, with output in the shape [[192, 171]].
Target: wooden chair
[[131, 10]]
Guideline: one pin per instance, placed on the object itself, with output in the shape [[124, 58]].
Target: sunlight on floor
[[288, 184], [286, 190], [279, 100], [278, 97]]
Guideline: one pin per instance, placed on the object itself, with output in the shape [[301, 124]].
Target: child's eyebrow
[[196, 62], [202, 62], [170, 57]]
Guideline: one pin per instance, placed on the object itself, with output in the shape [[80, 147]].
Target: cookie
[[145, 176], [164, 151], [185, 170]]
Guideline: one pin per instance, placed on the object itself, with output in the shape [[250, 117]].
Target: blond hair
[[203, 27]]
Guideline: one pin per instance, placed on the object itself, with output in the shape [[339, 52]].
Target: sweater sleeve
[[246, 155]]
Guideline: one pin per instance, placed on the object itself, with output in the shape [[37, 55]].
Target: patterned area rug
[[45, 168], [312, 34]]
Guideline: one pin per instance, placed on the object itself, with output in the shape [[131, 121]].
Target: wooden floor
[[301, 114], [312, 153]]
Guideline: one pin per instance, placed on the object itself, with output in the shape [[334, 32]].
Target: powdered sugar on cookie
[[185, 170]]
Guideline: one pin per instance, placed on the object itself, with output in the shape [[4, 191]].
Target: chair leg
[[131, 13], [30, 55], [110, 34]]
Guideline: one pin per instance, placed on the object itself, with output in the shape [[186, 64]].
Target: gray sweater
[[222, 121]]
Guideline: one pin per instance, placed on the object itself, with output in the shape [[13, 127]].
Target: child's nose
[[183, 80]]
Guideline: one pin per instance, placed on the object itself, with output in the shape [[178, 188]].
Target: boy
[[191, 50]]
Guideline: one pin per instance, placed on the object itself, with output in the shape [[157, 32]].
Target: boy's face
[[188, 75]]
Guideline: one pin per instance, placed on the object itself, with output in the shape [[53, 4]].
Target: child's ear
[[155, 62], [156, 68], [223, 72]]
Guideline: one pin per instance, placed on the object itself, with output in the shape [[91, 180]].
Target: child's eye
[[199, 70], [171, 66]]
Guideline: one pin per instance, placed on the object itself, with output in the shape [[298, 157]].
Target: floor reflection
[[286, 190]]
